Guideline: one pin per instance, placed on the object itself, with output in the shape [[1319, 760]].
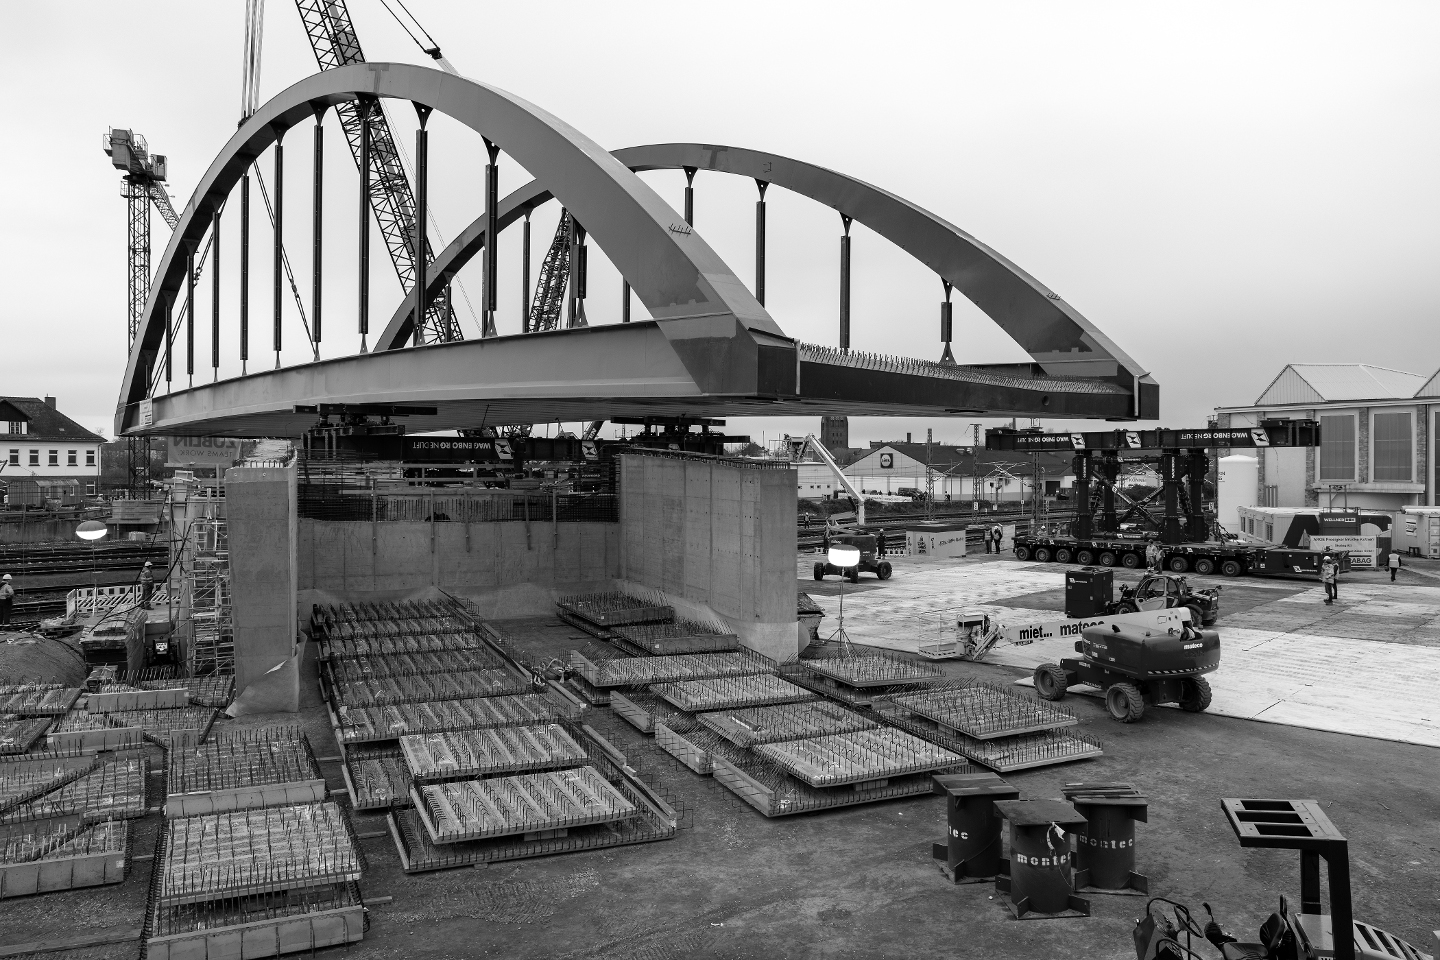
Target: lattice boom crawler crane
[[1137, 667]]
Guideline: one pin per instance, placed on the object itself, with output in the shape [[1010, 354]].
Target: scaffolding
[[212, 646]]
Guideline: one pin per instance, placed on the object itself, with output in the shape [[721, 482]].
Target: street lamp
[[842, 556], [93, 531]]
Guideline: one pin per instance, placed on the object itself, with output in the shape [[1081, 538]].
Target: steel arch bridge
[[712, 349]]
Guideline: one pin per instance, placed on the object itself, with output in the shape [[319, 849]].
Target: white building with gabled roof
[[1377, 437]]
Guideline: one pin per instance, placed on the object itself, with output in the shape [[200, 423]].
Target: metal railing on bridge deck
[[329, 502]]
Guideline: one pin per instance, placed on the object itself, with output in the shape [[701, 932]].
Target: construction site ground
[[859, 882]]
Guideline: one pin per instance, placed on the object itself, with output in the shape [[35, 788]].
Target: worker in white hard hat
[[147, 585], [7, 599]]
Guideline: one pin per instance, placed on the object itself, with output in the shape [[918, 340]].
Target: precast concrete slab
[[1379, 684]]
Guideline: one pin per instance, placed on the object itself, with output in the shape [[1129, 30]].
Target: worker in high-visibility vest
[[7, 599]]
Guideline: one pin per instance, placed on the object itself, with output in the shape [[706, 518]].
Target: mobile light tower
[[141, 186]]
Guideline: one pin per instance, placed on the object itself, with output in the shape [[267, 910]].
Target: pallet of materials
[[242, 770], [722, 693], [475, 754], [535, 805], [37, 699], [653, 819], [770, 789], [643, 671], [1006, 754], [62, 853], [370, 724], [858, 757], [749, 726], [248, 852], [668, 639], [457, 686], [981, 711], [268, 925], [114, 697], [615, 609], [113, 788], [18, 734], [377, 777]]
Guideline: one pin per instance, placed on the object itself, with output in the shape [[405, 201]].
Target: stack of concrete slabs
[[242, 770], [473, 754], [858, 756], [113, 788], [533, 805], [608, 610], [374, 724], [749, 726], [384, 691], [37, 699], [669, 639], [643, 671], [722, 693], [377, 777], [61, 853]]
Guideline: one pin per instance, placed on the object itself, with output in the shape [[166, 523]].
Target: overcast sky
[[1222, 188]]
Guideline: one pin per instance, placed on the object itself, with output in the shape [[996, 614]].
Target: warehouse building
[[38, 442], [957, 473], [1377, 434]]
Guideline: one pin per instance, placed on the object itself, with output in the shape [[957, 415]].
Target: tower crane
[[335, 43], [143, 185]]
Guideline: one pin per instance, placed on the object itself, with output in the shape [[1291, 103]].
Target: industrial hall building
[[1377, 431], [38, 442]]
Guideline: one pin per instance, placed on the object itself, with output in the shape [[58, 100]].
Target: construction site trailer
[[1417, 532]]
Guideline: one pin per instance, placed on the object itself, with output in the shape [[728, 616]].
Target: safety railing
[[326, 502]]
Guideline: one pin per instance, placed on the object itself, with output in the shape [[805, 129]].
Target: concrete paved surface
[[1367, 665], [859, 882]]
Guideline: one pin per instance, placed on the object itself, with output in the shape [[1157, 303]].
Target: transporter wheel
[[1107, 558], [1022, 553], [1062, 555], [1084, 558], [1204, 566], [1231, 568], [1131, 561], [1196, 695], [883, 570], [1042, 554], [1178, 565], [1050, 682], [1127, 606], [1125, 702], [853, 575], [819, 571]]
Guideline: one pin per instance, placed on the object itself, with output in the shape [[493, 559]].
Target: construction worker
[[7, 599], [1152, 556], [998, 535], [1394, 564], [1329, 574], [147, 585]]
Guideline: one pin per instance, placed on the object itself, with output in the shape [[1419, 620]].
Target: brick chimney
[[50, 402]]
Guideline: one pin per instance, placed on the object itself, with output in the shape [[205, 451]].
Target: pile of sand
[[26, 656]]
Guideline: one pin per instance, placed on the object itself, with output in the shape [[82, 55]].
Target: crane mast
[[335, 43]]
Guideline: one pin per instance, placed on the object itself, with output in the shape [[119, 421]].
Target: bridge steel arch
[[1056, 335], [672, 270]]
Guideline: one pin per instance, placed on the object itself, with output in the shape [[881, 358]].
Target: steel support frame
[[363, 243], [760, 243], [244, 272], [422, 190], [215, 294], [278, 252], [489, 296], [845, 283], [316, 227], [947, 324]]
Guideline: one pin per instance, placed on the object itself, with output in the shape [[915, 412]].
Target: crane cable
[[432, 51], [250, 74]]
